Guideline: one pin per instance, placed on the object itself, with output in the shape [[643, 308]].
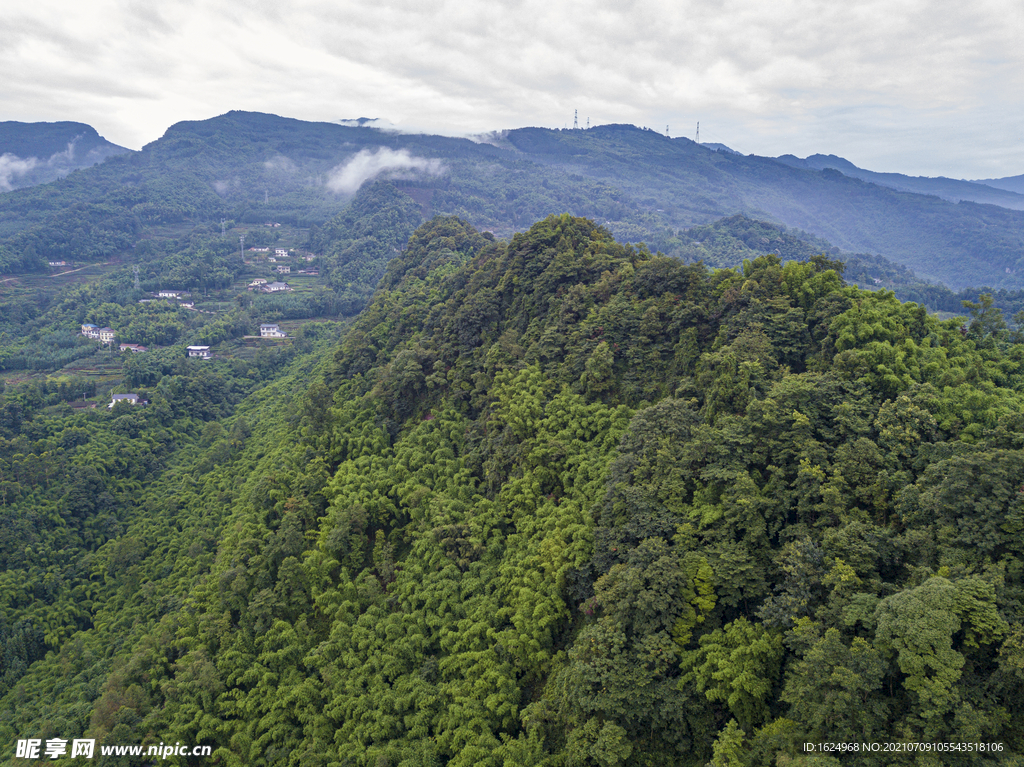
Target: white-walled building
[[131, 399], [271, 330]]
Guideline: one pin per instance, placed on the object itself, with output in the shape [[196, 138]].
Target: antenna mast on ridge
[[698, 131], [575, 119]]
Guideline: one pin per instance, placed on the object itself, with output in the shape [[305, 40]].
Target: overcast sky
[[912, 86]]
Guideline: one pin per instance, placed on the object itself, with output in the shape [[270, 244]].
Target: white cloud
[[12, 168], [224, 188], [791, 75], [280, 164], [365, 165]]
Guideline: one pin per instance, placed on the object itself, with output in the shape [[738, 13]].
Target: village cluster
[[107, 336]]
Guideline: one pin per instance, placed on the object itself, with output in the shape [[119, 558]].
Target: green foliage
[[548, 501]]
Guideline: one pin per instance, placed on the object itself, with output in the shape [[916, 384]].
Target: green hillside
[[547, 501]]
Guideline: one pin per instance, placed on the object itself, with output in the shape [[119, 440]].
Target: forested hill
[[551, 501], [253, 168]]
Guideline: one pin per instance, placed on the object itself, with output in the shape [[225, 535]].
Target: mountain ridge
[[642, 185], [951, 189]]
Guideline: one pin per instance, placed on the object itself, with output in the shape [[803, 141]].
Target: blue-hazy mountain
[[954, 190], [36, 153], [1010, 183]]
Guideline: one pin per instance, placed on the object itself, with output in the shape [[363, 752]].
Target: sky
[[923, 87]]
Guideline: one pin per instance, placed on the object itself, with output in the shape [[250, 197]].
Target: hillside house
[[202, 352], [281, 252], [131, 399], [283, 269], [169, 294], [271, 330], [106, 335], [257, 283], [274, 287], [134, 348], [57, 263], [90, 331]]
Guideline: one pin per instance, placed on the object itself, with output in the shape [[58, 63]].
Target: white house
[[281, 252], [271, 330], [169, 294], [90, 331], [257, 282], [203, 352], [274, 287], [133, 348], [106, 335], [283, 269], [131, 399]]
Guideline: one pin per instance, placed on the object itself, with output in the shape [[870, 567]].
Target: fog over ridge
[[365, 165], [13, 167]]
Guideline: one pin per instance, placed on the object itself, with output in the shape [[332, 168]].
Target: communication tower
[[575, 119], [698, 131]]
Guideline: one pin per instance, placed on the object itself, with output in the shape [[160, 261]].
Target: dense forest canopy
[[550, 500]]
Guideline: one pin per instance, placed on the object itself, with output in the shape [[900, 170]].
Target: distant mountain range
[[36, 153], [642, 185], [1002, 192], [1011, 183]]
